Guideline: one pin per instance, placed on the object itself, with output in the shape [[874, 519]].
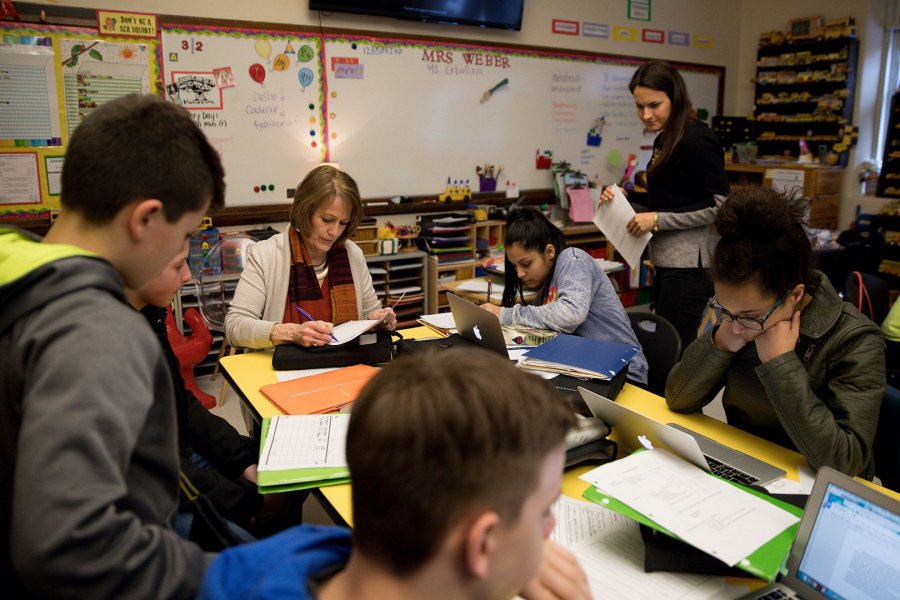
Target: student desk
[[247, 372]]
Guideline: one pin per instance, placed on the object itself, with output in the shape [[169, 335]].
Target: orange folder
[[317, 394]]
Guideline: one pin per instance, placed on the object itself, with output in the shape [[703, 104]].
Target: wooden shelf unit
[[394, 272], [821, 185], [804, 90]]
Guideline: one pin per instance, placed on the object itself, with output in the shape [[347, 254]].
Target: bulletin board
[[405, 115], [258, 96], [51, 78]]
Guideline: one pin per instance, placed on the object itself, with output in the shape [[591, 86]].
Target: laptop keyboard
[[730, 473], [774, 595]]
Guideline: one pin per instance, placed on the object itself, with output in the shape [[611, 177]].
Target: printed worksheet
[[305, 441], [610, 550], [612, 220]]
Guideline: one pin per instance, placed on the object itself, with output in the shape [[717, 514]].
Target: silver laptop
[[723, 461], [847, 546], [477, 325]]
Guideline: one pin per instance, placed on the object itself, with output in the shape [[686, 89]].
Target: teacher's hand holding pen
[[310, 333], [390, 319]]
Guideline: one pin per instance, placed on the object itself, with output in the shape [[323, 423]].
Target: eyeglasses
[[744, 321]]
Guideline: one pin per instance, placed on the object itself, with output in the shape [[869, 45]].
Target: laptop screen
[[853, 550]]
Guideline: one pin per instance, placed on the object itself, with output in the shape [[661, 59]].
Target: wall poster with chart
[[51, 78]]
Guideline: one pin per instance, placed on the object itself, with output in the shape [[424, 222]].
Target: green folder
[[289, 480], [766, 562]]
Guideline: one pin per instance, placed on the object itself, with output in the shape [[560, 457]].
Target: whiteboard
[[404, 116], [257, 97]]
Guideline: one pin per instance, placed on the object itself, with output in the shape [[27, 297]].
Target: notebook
[[848, 544], [726, 462], [580, 357]]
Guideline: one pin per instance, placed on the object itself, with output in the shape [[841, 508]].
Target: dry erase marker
[[309, 317]]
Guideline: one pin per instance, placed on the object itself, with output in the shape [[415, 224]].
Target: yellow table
[[247, 372]]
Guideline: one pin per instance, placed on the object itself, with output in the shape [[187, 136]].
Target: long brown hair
[[661, 76], [320, 186]]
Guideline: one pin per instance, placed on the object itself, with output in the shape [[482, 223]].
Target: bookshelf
[[394, 274]]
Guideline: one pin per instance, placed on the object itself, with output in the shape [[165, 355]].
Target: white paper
[[783, 485], [19, 183], [610, 550], [704, 511], [612, 219], [786, 180], [289, 375], [351, 330], [480, 286], [304, 441], [440, 320]]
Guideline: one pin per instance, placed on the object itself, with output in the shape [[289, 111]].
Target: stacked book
[[447, 236]]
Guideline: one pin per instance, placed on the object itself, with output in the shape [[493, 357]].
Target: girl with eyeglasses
[[800, 366], [574, 295]]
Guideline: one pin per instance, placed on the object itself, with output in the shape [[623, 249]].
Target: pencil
[[309, 317], [490, 282]]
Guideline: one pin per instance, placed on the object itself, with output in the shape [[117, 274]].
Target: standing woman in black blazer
[[686, 183]]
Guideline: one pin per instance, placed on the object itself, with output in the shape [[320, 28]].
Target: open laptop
[[847, 546], [477, 325], [724, 461]]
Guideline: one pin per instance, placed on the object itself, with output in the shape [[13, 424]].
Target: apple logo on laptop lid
[[476, 332], [645, 442]]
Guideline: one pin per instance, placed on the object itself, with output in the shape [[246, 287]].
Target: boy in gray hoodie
[[88, 453]]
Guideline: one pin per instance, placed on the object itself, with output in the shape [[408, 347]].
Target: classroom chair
[[661, 344], [870, 294], [887, 440]]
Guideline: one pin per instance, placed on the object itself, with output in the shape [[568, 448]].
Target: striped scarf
[[303, 284]]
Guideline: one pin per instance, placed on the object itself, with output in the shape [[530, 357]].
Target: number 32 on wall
[[192, 45]]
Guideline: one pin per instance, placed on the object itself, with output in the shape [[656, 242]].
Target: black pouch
[[288, 357]]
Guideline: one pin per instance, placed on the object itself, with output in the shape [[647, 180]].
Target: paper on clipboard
[[612, 219]]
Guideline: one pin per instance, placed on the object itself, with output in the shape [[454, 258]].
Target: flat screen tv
[[503, 14]]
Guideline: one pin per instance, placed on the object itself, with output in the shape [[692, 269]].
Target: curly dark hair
[[763, 240]]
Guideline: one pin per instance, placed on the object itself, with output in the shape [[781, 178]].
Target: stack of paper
[[322, 393], [579, 357], [303, 451], [441, 323], [739, 526]]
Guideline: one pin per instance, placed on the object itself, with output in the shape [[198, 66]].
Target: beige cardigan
[[258, 302]]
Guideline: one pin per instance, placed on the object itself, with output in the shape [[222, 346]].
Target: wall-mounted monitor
[[503, 14]]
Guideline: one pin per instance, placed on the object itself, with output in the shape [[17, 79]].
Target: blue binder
[[580, 357]]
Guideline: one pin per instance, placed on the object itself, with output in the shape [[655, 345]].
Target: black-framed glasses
[[756, 324]]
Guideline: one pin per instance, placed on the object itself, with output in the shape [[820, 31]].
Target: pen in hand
[[309, 317]]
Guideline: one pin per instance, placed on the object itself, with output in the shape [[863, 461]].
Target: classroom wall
[[734, 25], [697, 16]]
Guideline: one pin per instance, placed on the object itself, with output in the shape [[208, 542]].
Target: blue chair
[[887, 440]]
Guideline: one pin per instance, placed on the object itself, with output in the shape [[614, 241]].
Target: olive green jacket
[[822, 399]]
